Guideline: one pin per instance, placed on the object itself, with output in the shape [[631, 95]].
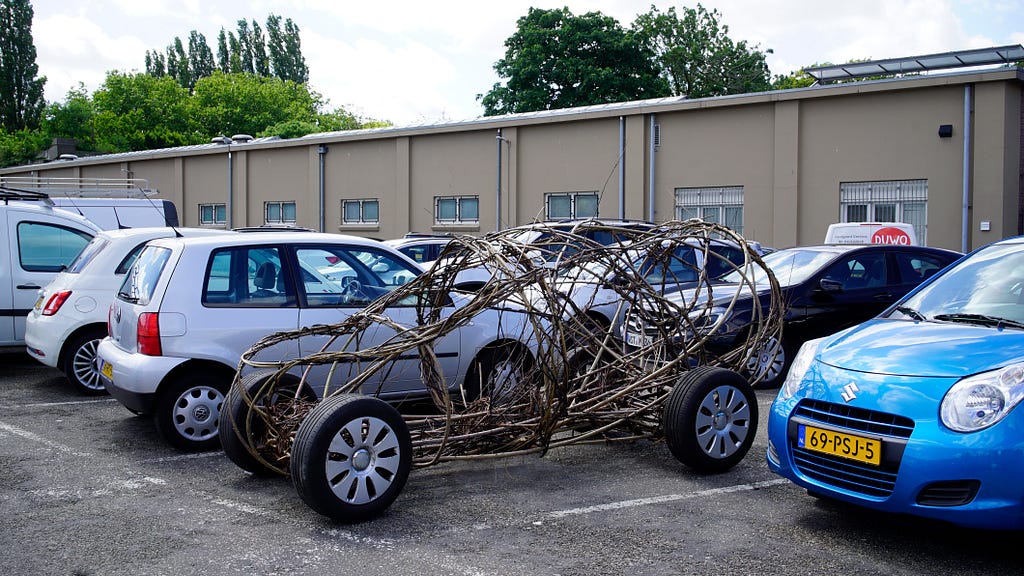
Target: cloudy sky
[[413, 62]]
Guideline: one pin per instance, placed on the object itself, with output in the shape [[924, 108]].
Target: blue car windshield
[[987, 289]]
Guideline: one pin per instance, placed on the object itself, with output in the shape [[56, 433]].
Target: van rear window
[[139, 284]]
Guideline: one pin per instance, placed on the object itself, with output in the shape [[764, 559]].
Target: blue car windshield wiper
[[983, 319]]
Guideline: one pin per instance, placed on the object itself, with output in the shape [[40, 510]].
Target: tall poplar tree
[[21, 91]]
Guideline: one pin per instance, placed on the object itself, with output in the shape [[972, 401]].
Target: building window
[[722, 205], [560, 206], [360, 211], [279, 212], [212, 214], [457, 210], [887, 201]]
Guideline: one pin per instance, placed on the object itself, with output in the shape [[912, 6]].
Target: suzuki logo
[[850, 392]]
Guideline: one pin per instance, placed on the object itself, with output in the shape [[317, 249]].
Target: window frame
[[574, 212], [362, 202], [281, 219], [215, 207], [459, 218], [720, 202]]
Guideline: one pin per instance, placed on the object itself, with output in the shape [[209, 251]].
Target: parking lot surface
[[86, 488]]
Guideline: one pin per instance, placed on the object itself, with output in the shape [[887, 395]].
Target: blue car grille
[[859, 419], [873, 481]]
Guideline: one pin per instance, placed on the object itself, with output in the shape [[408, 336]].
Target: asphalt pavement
[[87, 488]]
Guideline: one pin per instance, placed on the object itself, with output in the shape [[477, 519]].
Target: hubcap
[[723, 422], [84, 366], [362, 460], [197, 413], [767, 363]]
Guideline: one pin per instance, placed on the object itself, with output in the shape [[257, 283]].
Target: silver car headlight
[[801, 363], [979, 401]]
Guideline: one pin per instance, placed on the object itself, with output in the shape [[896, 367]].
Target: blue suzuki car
[[916, 411]]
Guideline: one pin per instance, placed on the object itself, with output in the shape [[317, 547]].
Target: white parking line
[[4, 427], [47, 404], [666, 498], [178, 457]]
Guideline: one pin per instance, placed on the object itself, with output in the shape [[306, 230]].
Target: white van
[[38, 241], [46, 222], [897, 233], [117, 213]]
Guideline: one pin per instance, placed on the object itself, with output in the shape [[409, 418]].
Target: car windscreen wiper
[[983, 319], [908, 311]]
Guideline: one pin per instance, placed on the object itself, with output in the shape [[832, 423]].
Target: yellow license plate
[[850, 446], [108, 370]]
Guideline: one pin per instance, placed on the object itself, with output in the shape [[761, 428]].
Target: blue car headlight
[[979, 401], [801, 363]]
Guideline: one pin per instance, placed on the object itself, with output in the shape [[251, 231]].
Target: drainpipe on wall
[[650, 176], [622, 168], [322, 151], [966, 224], [231, 188], [497, 209]]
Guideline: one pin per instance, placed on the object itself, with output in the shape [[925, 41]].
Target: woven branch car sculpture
[[557, 377]]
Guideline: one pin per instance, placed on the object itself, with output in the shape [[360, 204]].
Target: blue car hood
[[926, 349]]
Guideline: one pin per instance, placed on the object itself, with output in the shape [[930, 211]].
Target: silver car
[[190, 307]]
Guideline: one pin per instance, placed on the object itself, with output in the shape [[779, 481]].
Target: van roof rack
[[42, 187]]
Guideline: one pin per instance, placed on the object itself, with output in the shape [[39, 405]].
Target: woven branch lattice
[[565, 376]]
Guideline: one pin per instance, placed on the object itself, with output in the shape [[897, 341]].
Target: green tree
[[284, 49], [139, 112], [261, 62], [74, 118], [21, 92], [156, 64], [696, 55], [200, 58], [249, 104], [21, 146], [797, 79], [558, 60], [223, 55]]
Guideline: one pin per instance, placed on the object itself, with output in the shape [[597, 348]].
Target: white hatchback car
[[190, 307], [70, 316]]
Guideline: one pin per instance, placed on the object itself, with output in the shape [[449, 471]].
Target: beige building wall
[[718, 147], [881, 136], [789, 150]]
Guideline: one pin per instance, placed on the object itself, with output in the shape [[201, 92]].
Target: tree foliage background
[[257, 84], [556, 60]]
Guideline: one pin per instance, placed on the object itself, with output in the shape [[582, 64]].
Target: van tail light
[[110, 326], [55, 302], [149, 334]]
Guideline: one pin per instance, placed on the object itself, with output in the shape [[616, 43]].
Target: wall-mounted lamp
[[945, 130]]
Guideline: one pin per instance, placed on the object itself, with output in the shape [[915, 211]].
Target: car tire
[[188, 411], [80, 362], [239, 423], [351, 457], [774, 366], [498, 372], [710, 419]]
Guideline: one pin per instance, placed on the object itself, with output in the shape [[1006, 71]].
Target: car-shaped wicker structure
[[349, 452]]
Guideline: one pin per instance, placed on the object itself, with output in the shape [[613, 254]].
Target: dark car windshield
[[985, 289], [791, 266]]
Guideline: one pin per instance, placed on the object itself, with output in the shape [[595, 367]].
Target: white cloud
[[411, 61]]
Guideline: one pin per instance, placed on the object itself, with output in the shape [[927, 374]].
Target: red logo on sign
[[890, 235]]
